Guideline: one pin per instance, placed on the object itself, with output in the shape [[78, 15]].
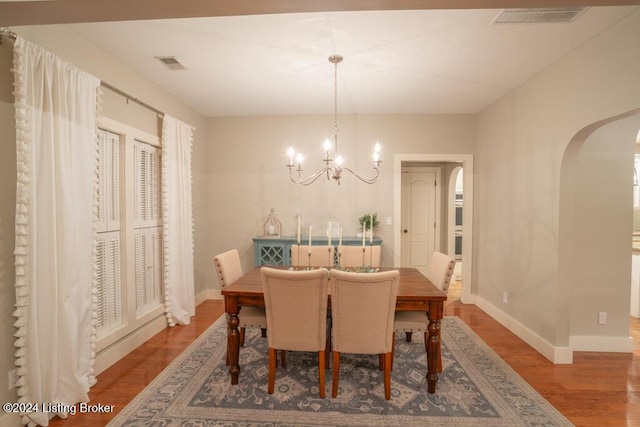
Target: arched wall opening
[[595, 234]]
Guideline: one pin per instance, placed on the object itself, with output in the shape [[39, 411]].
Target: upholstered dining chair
[[362, 307], [439, 273], [229, 269], [296, 307], [321, 256], [352, 256]]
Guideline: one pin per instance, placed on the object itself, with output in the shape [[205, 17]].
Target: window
[[129, 238]]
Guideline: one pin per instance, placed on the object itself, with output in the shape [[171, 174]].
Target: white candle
[[298, 229], [272, 229], [329, 237], [340, 244], [364, 233], [309, 239], [371, 236]]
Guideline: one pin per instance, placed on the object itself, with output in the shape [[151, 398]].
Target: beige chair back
[[351, 256], [228, 267], [296, 306], [321, 256], [441, 270], [362, 310]]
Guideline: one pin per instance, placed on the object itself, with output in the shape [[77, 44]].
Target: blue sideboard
[[277, 251]]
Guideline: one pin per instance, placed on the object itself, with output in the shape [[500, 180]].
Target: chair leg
[[283, 358], [242, 337], [327, 351], [407, 336], [321, 368], [381, 362], [272, 369], [387, 376], [264, 332], [393, 349], [336, 373]]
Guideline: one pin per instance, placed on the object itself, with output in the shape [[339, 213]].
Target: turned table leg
[[233, 338], [433, 346]]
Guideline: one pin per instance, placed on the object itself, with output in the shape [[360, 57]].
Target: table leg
[[233, 338], [433, 345]]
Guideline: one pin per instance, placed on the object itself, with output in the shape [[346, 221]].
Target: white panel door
[[419, 216]]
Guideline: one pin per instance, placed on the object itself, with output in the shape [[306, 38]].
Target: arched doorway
[[595, 229]]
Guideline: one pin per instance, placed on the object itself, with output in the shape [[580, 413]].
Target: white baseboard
[[558, 355], [119, 349], [596, 343], [10, 420]]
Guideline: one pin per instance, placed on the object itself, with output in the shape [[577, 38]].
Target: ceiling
[[395, 61]]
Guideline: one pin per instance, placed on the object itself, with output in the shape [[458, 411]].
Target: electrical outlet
[[13, 378], [505, 297], [389, 220], [602, 318]]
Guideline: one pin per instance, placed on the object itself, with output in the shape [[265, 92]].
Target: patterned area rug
[[475, 388]]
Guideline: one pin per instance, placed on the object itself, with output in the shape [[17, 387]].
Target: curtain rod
[[130, 98], [5, 32]]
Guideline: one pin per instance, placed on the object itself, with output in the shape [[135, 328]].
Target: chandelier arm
[[310, 179], [365, 180]]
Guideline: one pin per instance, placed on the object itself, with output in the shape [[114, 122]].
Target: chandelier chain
[[332, 169]]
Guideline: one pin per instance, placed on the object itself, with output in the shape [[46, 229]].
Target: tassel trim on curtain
[[165, 226], [23, 153]]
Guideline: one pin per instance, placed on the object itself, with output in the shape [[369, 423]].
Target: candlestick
[[329, 237], [371, 236], [298, 229], [340, 244], [309, 239]]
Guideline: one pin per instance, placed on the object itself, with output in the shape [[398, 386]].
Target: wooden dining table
[[415, 293]]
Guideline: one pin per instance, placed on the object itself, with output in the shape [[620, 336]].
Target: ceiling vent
[[170, 62], [539, 15]]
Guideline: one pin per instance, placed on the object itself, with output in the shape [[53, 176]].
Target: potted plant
[[369, 220]]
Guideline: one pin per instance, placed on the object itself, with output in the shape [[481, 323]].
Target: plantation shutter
[[109, 285], [147, 193], [109, 304], [148, 227]]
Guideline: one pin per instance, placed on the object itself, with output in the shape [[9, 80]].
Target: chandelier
[[332, 169]]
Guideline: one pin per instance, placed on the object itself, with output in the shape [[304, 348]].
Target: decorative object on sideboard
[[335, 171], [272, 225]]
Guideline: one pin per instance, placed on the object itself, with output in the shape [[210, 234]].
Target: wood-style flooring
[[598, 389]]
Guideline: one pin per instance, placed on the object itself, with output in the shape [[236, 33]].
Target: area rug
[[475, 388]]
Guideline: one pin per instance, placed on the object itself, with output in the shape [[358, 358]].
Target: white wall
[[520, 146], [246, 173]]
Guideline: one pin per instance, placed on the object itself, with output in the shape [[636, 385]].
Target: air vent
[[170, 62], [539, 16]]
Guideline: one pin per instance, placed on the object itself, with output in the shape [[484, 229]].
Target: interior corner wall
[[521, 142]]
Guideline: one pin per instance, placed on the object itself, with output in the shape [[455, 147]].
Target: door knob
[[405, 231]]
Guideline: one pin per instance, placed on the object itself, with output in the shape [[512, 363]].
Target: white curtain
[[55, 107], [177, 221]]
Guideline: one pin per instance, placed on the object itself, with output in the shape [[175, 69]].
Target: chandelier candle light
[[332, 171]]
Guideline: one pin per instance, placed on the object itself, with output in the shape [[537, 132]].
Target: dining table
[[415, 293]]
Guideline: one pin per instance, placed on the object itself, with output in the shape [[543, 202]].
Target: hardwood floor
[[598, 389]]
